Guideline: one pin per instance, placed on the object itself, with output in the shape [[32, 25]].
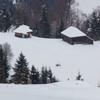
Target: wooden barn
[[73, 36], [23, 31]]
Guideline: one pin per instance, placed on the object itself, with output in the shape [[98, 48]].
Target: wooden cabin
[[73, 36], [23, 31]]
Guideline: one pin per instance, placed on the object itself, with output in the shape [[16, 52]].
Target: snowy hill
[[49, 52]]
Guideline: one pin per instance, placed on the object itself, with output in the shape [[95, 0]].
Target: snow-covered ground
[[57, 91], [50, 52], [87, 6]]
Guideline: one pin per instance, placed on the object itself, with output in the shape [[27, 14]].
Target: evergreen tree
[[44, 24], [1, 56], [93, 26], [51, 77], [60, 29], [21, 70], [35, 76], [47, 76], [1, 64], [6, 13], [44, 75]]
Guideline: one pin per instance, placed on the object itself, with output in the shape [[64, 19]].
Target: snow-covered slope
[[87, 6], [49, 52], [57, 91]]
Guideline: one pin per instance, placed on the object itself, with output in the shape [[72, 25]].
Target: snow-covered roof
[[72, 32], [23, 29]]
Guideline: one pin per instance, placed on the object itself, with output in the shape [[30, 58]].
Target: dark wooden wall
[[77, 40], [82, 40], [67, 39]]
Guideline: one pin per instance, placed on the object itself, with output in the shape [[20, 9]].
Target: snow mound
[[74, 84]]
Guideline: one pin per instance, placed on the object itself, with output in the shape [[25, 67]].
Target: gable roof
[[73, 32], [23, 29]]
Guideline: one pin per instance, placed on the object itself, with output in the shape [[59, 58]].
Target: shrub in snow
[[78, 77]]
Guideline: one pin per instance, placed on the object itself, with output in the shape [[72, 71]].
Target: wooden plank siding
[[67, 39], [20, 35], [77, 40], [82, 40]]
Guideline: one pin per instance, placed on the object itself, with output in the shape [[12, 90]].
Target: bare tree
[[8, 51], [5, 58]]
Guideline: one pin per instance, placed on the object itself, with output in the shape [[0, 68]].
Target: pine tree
[[1, 56], [21, 70], [1, 64], [35, 76], [44, 75], [51, 77], [5, 14], [60, 29], [44, 24], [93, 26], [47, 76]]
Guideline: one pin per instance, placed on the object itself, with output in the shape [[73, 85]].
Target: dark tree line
[[47, 76], [92, 25], [6, 14], [46, 17], [22, 74]]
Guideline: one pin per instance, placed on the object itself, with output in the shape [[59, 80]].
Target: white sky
[[88, 5]]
